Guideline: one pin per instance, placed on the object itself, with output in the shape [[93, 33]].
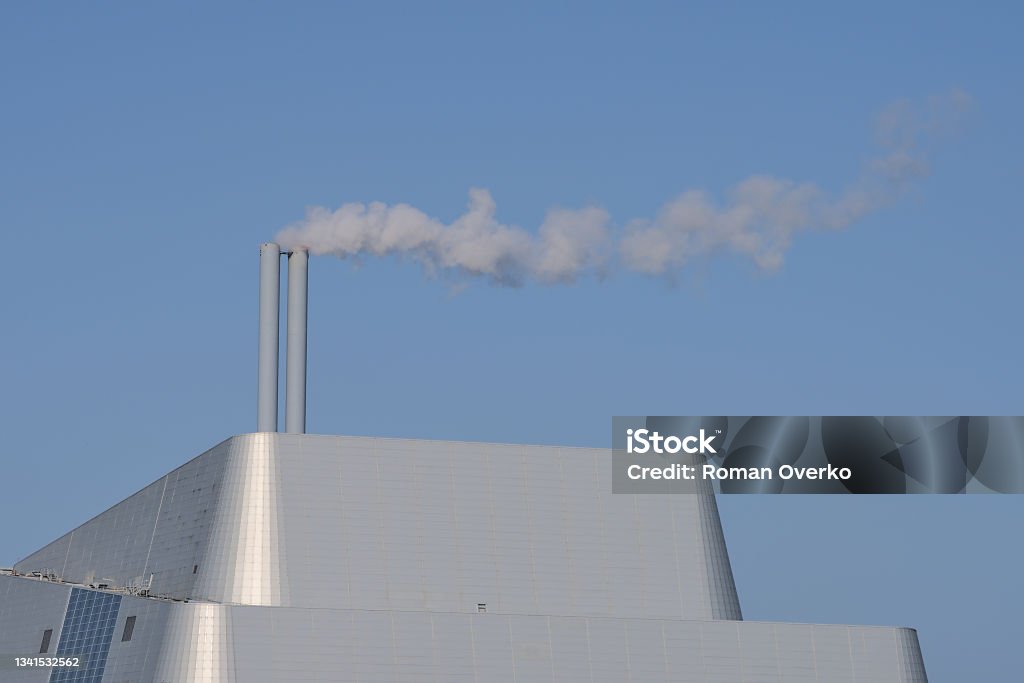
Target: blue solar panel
[[87, 630]]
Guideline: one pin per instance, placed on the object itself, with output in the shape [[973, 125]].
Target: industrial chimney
[[295, 383], [269, 331], [270, 305]]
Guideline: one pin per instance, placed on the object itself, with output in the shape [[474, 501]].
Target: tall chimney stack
[[270, 306], [295, 382]]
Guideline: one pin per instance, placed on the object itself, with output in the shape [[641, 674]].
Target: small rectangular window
[[481, 607], [195, 569], [45, 645], [129, 628]]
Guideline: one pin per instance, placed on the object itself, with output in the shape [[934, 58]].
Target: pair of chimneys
[[295, 339]]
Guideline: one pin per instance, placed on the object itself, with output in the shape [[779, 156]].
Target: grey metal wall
[[162, 530], [135, 661], [348, 522], [291, 644], [27, 609], [390, 646], [30, 606], [210, 643], [311, 558]]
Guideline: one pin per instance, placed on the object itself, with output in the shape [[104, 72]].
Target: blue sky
[[146, 151]]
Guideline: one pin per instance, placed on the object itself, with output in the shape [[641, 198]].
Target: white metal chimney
[[270, 304], [295, 382]]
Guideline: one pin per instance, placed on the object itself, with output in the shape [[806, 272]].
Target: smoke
[[570, 242], [758, 219]]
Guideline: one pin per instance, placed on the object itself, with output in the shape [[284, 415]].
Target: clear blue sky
[[146, 151]]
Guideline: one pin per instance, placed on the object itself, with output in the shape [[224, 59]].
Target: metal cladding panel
[[243, 561], [570, 650], [294, 644], [210, 643], [349, 522], [725, 601], [198, 646], [432, 525], [163, 531], [28, 608], [911, 657], [346, 558], [136, 659]]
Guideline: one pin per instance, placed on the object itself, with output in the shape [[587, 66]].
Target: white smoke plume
[[759, 219], [570, 242]]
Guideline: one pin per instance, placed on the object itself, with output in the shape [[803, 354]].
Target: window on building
[[129, 628], [45, 645], [195, 569], [481, 607]]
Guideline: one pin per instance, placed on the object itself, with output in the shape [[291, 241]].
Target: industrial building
[[286, 556]]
